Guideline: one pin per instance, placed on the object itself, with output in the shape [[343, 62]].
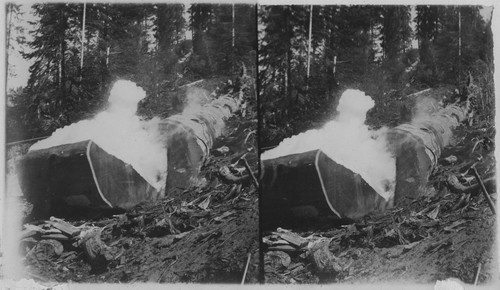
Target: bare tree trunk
[[83, 40], [459, 45], [62, 61], [9, 24], [233, 40], [208, 52], [9, 27], [309, 46], [286, 74]]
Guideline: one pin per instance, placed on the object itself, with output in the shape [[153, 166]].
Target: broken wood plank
[[28, 233], [29, 227], [52, 231], [284, 248], [294, 239], [58, 237], [274, 243], [64, 226]]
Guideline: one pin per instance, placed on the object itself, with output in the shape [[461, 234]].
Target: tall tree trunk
[[285, 75], [9, 27], [83, 40], [459, 44], [289, 73], [233, 41], [104, 47], [309, 44], [288, 60], [209, 58], [62, 58]]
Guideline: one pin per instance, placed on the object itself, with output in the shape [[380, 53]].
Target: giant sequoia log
[[84, 176], [80, 176], [417, 146], [311, 184], [189, 138]]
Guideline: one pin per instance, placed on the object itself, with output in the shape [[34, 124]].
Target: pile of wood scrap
[[107, 244], [291, 258], [378, 247], [452, 221], [285, 240], [205, 232]]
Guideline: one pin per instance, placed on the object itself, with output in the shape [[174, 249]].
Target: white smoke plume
[[121, 133], [349, 142], [195, 99], [424, 107]]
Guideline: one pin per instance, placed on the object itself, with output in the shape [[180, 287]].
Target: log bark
[[79, 178], [417, 146], [310, 186], [75, 179], [190, 136]]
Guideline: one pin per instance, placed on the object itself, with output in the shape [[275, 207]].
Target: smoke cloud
[[424, 107], [195, 99], [349, 142], [121, 133]]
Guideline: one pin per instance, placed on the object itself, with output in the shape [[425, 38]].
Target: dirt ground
[[442, 234], [207, 233], [401, 245]]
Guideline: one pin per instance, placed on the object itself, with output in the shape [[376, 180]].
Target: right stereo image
[[376, 136]]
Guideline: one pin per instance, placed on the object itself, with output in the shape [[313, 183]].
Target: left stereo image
[[131, 143]]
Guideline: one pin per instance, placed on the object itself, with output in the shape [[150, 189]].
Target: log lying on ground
[[311, 185], [417, 146], [81, 175], [190, 136]]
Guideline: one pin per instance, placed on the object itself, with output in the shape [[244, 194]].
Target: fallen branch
[[246, 269], [229, 177], [27, 140], [418, 93], [477, 274], [455, 185], [485, 192], [254, 132], [254, 179], [464, 199], [165, 271], [191, 84]]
